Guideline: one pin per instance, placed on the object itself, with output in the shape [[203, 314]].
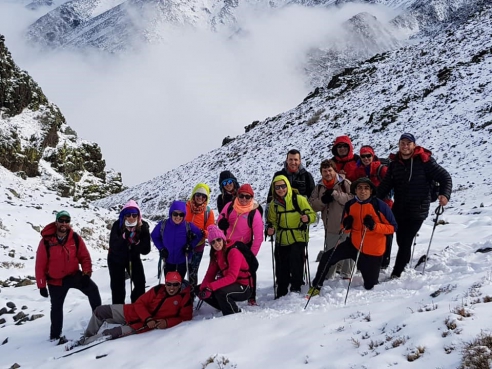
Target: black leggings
[[117, 277], [224, 299], [407, 229], [368, 265]]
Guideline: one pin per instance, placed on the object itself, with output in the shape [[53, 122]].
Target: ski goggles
[[227, 181]]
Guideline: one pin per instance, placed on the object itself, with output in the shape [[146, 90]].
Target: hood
[[346, 140], [289, 188], [177, 206], [130, 206], [419, 151], [205, 187], [50, 230], [226, 175]]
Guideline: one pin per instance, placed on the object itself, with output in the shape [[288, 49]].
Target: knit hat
[[354, 184], [62, 213], [201, 190], [214, 232], [367, 150], [246, 188], [408, 136], [173, 277]]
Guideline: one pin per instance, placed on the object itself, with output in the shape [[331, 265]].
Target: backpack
[[251, 214], [384, 163], [187, 225], [248, 255], [76, 239]]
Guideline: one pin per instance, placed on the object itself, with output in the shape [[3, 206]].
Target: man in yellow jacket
[[289, 215]]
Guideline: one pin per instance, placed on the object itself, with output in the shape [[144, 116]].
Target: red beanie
[[246, 188], [367, 150]]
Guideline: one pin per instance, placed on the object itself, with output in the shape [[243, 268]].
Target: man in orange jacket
[[59, 254], [161, 307], [368, 220]]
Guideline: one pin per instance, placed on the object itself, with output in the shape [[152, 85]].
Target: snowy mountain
[[440, 89], [36, 141]]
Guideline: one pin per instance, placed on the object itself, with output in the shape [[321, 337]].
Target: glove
[[190, 236], [369, 222], [44, 292], [85, 280], [347, 222], [303, 227], [187, 249], [223, 224], [164, 253], [204, 294], [327, 196]]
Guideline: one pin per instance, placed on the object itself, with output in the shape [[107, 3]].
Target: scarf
[[329, 184], [242, 209], [130, 235], [197, 209]]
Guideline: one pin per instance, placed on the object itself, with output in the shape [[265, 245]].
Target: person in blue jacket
[[176, 240]]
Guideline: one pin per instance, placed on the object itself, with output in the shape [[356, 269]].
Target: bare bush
[[477, 354], [417, 353]]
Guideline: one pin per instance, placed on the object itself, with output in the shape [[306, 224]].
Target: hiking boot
[[252, 302], [313, 291], [62, 340]]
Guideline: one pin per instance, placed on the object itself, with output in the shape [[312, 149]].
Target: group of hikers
[[362, 200]]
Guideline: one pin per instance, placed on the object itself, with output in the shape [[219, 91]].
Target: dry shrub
[[477, 354], [418, 352]]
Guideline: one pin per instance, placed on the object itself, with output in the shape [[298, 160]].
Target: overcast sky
[[167, 104]]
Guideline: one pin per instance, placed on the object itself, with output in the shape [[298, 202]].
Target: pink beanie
[[214, 232]]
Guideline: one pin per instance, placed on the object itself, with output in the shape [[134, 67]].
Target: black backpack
[[248, 255], [76, 239]]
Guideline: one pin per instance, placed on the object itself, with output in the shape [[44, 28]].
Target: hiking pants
[[407, 229], [345, 265], [117, 277], [58, 294], [224, 299], [112, 314], [289, 267], [196, 258], [368, 265]]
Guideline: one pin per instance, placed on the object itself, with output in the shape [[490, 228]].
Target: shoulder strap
[[205, 217], [47, 245], [156, 290], [378, 173], [251, 217], [229, 210], [295, 203], [76, 239], [375, 205]]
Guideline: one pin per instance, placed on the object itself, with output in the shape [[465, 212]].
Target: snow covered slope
[[440, 89]]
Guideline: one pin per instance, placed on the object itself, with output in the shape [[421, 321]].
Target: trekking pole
[[439, 210], [187, 267], [160, 268], [355, 265], [326, 266], [273, 268], [413, 250], [199, 305], [307, 259]]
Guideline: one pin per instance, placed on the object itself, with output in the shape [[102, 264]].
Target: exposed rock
[[5, 341], [15, 366], [24, 307], [36, 316], [24, 282], [10, 304], [20, 315], [2, 321], [3, 310]]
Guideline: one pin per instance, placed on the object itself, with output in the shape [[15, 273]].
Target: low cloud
[[164, 105]]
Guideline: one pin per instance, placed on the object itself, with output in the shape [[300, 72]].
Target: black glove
[[348, 221], [327, 196], [223, 224], [204, 294], [164, 253], [187, 249], [85, 280], [190, 236], [303, 227], [369, 222], [43, 292]]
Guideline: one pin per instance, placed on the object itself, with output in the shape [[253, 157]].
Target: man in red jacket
[[59, 254], [161, 307]]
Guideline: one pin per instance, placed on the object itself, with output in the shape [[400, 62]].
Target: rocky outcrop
[[34, 131]]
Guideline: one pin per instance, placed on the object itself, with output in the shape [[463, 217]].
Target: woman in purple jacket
[[175, 239], [228, 278]]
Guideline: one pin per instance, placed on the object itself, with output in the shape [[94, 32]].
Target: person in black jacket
[[410, 173], [297, 175], [228, 189], [130, 238]]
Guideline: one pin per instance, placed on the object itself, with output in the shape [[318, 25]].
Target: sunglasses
[[345, 146], [215, 241], [201, 195], [178, 214], [280, 187], [64, 220], [245, 196], [133, 215], [175, 284], [366, 156], [226, 182]]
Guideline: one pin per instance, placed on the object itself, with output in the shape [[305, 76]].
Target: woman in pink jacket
[[227, 279]]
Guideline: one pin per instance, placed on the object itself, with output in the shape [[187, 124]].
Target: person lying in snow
[[161, 307]]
